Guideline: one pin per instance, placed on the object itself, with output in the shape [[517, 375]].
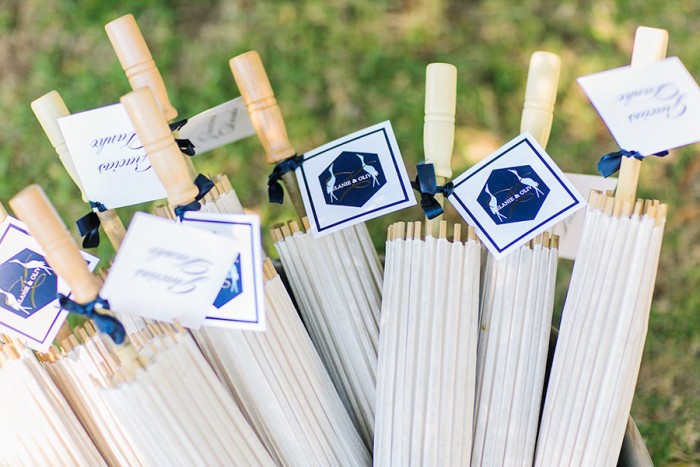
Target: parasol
[[336, 279], [605, 316], [276, 375]]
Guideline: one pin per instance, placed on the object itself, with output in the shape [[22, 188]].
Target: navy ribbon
[[274, 189], [610, 163], [186, 146], [204, 185], [89, 225], [426, 185], [107, 324]]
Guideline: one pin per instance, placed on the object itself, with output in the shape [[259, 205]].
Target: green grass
[[339, 66]]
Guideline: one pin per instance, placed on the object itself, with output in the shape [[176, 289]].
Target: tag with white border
[[353, 179], [513, 195], [569, 230], [167, 271], [29, 309], [218, 126], [647, 109], [108, 156], [240, 303]]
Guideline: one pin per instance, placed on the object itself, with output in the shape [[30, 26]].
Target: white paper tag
[[29, 309], [569, 230], [647, 109], [241, 300], [218, 126], [514, 194], [167, 271], [353, 179], [108, 157]]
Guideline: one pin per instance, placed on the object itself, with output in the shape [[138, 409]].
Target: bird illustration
[[12, 302], [369, 168], [34, 264], [528, 182], [330, 185], [234, 277], [493, 205]]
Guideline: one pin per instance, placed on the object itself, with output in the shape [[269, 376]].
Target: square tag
[[167, 271], [513, 195], [353, 179], [108, 156], [647, 109], [29, 309], [218, 126], [241, 300]]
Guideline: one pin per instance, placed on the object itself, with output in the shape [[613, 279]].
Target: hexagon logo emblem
[[513, 194], [352, 179], [27, 283], [233, 285]]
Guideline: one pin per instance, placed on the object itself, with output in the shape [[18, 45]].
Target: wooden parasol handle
[[650, 45], [540, 95], [137, 62], [439, 126], [160, 146], [3, 213], [48, 109], [34, 209]]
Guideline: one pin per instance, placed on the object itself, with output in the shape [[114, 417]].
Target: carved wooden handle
[[540, 95], [159, 143], [34, 209], [439, 126], [252, 81], [137, 62]]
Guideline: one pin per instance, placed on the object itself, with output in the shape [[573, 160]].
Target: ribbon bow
[[204, 185], [610, 163], [274, 189], [107, 324], [186, 146], [89, 225], [426, 185]]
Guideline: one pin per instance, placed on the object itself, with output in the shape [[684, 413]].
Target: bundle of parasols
[[436, 354]]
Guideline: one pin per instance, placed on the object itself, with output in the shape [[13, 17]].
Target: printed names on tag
[[108, 156], [513, 195], [353, 179], [647, 109], [240, 303], [218, 126], [168, 271], [29, 309]]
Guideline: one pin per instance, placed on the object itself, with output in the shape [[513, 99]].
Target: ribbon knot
[[274, 189], [426, 185], [186, 146], [204, 185], [106, 323], [89, 225], [610, 163]]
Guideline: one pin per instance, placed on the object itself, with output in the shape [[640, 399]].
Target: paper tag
[[167, 271], [108, 156], [241, 300], [29, 309], [218, 126], [513, 195], [353, 179], [647, 109], [569, 230]]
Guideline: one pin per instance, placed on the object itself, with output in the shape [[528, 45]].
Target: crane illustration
[[493, 205], [330, 185], [528, 182], [12, 302], [34, 264], [370, 169]]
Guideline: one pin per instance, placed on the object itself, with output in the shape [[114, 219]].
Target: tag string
[[106, 323], [274, 189], [610, 163], [89, 225], [186, 146], [426, 184], [204, 186]]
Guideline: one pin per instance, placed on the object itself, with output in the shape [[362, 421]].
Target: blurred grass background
[[341, 65]]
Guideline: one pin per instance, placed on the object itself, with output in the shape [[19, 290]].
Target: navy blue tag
[[27, 283], [352, 179], [233, 285], [513, 194]]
